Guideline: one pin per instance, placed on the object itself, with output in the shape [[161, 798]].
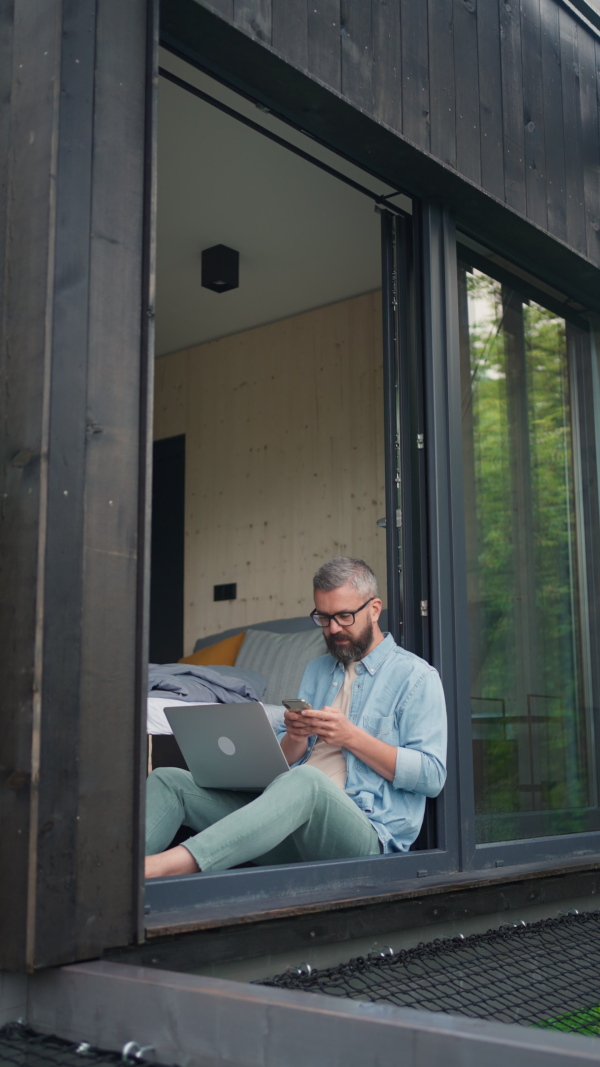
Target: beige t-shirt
[[330, 758]]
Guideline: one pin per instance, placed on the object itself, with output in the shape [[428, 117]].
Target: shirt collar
[[373, 661]]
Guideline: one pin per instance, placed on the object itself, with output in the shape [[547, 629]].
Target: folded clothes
[[212, 685]]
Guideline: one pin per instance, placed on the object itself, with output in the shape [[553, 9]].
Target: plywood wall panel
[[284, 459], [170, 383]]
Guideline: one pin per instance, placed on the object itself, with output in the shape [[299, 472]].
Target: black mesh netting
[[22, 1047], [538, 974]]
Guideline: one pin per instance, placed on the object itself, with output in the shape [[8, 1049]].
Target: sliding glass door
[[524, 375]]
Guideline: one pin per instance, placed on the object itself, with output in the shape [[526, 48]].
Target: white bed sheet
[[157, 720]]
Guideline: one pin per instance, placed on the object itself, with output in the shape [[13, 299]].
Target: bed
[[270, 657]]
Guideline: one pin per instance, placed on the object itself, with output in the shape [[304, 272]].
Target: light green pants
[[302, 815]]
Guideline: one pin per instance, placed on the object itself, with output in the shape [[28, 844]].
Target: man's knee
[[310, 778], [171, 777]]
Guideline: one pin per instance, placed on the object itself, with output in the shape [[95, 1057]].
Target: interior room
[[268, 418]]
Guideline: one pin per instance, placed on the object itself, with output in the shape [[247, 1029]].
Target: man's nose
[[334, 626]]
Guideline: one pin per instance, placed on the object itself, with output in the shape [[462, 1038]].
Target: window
[[530, 485]]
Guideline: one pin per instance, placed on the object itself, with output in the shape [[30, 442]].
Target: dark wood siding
[[505, 92], [74, 292]]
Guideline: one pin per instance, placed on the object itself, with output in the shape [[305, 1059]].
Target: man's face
[[348, 643]]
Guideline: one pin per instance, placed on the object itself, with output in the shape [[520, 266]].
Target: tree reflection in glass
[[530, 700]]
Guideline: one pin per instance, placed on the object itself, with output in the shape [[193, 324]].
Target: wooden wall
[[73, 443], [284, 459], [503, 93]]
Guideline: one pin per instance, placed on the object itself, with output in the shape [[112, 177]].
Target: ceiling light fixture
[[220, 268]]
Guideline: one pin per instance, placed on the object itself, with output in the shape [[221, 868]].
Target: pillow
[[277, 626], [283, 658], [253, 678], [221, 654]]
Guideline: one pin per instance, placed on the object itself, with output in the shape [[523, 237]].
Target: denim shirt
[[398, 698]]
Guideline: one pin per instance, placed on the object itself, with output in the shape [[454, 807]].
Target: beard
[[352, 648]]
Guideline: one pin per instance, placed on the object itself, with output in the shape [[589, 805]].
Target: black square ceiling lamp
[[220, 268]]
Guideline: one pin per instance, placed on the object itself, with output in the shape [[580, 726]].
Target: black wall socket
[[225, 592]]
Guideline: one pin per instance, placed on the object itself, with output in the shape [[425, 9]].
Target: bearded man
[[364, 756]]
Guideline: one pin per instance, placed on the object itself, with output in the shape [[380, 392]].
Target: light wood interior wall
[[284, 459]]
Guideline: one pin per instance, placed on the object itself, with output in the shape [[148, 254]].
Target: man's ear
[[376, 608]]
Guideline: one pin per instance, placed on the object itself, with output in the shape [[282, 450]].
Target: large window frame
[[424, 480], [234, 892], [554, 847], [80, 202]]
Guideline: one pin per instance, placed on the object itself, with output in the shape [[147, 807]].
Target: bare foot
[[176, 860]]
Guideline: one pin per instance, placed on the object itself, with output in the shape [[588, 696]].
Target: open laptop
[[227, 746]]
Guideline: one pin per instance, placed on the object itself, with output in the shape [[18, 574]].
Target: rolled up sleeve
[[421, 755]]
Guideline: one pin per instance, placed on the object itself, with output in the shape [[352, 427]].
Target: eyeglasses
[[343, 618]]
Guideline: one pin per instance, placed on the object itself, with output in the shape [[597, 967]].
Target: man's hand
[[297, 725], [295, 740], [334, 728], [330, 725]]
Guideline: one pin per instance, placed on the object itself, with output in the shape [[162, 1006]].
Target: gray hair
[[342, 570]]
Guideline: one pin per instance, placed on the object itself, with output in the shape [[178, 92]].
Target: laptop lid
[[227, 746]]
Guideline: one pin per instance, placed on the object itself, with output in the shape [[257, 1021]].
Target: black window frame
[[553, 847], [432, 481], [403, 238]]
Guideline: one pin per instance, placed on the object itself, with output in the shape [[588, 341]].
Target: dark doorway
[[166, 583]]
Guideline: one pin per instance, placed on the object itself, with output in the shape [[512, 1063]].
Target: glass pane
[[530, 689]]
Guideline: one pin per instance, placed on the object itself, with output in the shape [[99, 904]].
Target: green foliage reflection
[[530, 730]]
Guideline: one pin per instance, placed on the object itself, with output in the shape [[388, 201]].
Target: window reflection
[[530, 679]]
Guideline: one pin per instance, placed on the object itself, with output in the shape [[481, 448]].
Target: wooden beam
[[73, 379]]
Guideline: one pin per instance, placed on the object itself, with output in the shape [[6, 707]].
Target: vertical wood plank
[[71, 377], [115, 470], [7, 15], [466, 71], [27, 102], [357, 53], [490, 99], [415, 74], [387, 62], [512, 105], [569, 47], [590, 135], [60, 780], [441, 80], [324, 42], [533, 113], [553, 119], [254, 17], [290, 31]]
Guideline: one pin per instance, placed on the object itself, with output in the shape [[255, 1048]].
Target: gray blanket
[[209, 684]]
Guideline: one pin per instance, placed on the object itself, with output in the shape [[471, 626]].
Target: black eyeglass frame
[[323, 615]]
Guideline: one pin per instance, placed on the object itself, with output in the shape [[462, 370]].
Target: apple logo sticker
[[226, 745]]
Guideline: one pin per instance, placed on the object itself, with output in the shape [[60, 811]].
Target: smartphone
[[296, 705]]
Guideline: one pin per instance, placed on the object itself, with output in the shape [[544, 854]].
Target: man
[[364, 757]]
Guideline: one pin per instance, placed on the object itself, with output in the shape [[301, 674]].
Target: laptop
[[227, 746]]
